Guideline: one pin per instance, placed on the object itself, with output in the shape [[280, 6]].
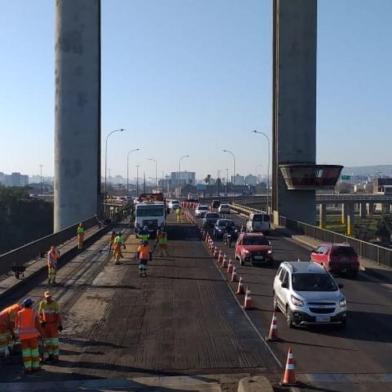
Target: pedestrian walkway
[[9, 282]]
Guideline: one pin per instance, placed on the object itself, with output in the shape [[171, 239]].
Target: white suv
[[307, 294]]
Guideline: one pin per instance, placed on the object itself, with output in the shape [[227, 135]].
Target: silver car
[[307, 294]]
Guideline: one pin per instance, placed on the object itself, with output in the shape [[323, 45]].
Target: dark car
[[215, 204], [209, 220], [221, 227], [337, 258]]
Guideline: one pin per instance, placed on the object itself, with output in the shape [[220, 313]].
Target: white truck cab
[[151, 215]]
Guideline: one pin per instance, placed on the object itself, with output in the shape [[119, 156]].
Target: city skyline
[[197, 87]]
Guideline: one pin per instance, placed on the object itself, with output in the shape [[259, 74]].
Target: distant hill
[[376, 170]]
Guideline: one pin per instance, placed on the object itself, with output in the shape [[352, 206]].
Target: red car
[[337, 258], [253, 248]]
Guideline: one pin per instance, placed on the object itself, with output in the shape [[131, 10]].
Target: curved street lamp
[[268, 166], [129, 152], [156, 170], [179, 167], [106, 154], [232, 154]]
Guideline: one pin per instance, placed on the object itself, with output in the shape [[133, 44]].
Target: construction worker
[[111, 241], [118, 243], [144, 234], [50, 319], [80, 233], [162, 242], [178, 214], [28, 328], [7, 329], [53, 256], [144, 255]]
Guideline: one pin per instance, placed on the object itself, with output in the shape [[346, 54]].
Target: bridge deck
[[181, 319]]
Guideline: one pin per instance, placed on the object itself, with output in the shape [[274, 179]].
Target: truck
[[150, 212]]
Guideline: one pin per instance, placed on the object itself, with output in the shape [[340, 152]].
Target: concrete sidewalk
[[10, 282]]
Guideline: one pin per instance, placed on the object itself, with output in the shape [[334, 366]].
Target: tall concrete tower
[[77, 111], [294, 106]]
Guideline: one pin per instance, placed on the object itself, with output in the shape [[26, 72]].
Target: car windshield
[[343, 251], [225, 206], [149, 211], [313, 282], [225, 223], [212, 216], [261, 218], [203, 208], [255, 240]]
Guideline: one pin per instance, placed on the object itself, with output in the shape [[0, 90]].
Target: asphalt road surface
[[183, 319], [358, 358], [180, 320]]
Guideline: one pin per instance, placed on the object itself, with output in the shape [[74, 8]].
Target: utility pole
[[137, 180], [41, 179]]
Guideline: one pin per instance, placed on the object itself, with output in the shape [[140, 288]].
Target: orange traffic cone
[[216, 252], [224, 262], [248, 302], [289, 372], [230, 267], [220, 257], [240, 288], [234, 275], [273, 332]]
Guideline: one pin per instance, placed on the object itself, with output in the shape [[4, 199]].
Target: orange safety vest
[[11, 312], [144, 252], [49, 312], [26, 324], [4, 322]]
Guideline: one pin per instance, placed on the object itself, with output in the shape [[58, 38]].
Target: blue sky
[[194, 77]]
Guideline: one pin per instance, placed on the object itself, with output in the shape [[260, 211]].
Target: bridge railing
[[34, 249], [364, 249]]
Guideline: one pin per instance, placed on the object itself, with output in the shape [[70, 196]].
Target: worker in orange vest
[[7, 329], [144, 255], [111, 241], [53, 256], [80, 233], [28, 328], [118, 244], [49, 315]]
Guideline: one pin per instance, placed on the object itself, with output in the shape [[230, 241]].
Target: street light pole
[[106, 155], [156, 170], [41, 178], [268, 166], [137, 180], [232, 154], [227, 181], [129, 152], [179, 168]]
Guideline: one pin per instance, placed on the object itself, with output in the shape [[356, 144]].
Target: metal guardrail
[[243, 209], [364, 249], [34, 249]]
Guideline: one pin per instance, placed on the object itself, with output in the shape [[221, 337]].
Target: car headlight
[[343, 302], [296, 301], [269, 251]]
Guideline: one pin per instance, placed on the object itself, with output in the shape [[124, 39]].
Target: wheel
[[343, 324], [289, 318], [275, 303]]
